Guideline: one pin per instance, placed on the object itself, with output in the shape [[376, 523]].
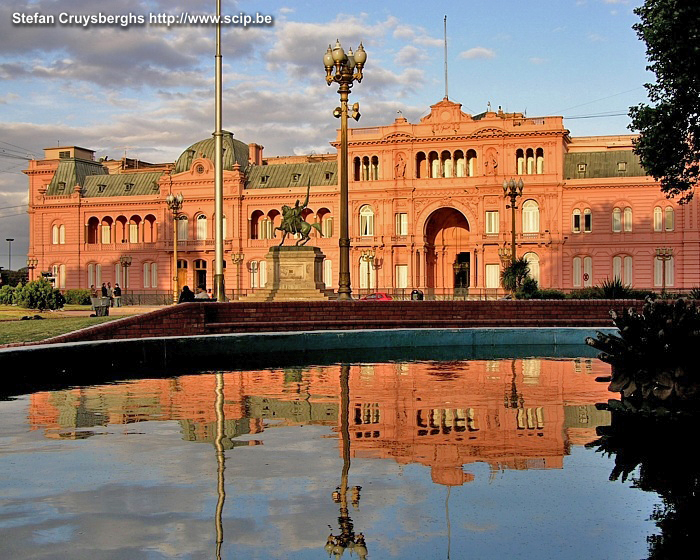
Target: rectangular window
[[146, 275], [154, 275], [492, 222], [328, 227], [133, 233], [493, 275], [587, 272], [402, 276], [402, 224], [328, 273], [628, 271], [587, 221], [182, 229], [106, 235], [577, 272], [576, 221], [659, 271]]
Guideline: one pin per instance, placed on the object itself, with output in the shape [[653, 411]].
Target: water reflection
[[393, 422]]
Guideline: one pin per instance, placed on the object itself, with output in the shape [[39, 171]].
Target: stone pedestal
[[293, 274]]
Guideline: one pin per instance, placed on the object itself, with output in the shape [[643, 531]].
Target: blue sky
[[148, 90]]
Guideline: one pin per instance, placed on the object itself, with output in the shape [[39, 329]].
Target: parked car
[[377, 297]]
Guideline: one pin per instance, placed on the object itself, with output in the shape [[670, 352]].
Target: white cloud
[[478, 52]]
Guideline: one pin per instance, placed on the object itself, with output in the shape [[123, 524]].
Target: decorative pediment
[[446, 111], [489, 131], [398, 136]]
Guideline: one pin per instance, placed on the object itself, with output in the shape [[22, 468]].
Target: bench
[[100, 306]]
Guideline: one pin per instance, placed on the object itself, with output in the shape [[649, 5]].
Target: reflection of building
[[426, 197], [442, 415]]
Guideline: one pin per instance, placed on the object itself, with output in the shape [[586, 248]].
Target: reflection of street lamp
[[125, 261], [32, 263], [345, 65], [368, 257], [664, 254], [512, 190], [237, 259], [220, 462], [336, 544], [9, 252], [175, 203]]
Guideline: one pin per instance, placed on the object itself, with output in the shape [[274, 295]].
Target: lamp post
[[9, 252], [348, 68], [512, 190], [504, 254], [175, 203], [125, 261], [31, 265], [237, 259], [368, 257], [664, 254]]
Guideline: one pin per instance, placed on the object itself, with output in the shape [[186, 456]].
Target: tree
[[669, 142], [513, 275]]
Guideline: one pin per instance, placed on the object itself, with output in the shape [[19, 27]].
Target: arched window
[[263, 273], [446, 163], [374, 169], [201, 227], [627, 219], [92, 230], [460, 166], [533, 263], [658, 219], [616, 219], [94, 275], [668, 219], [576, 221], [356, 167], [539, 157], [182, 228], [149, 229], [59, 273], [576, 272], [106, 231], [471, 163], [434, 163], [520, 162], [365, 168], [366, 221], [421, 166], [622, 269], [531, 217], [255, 229], [659, 268], [58, 235], [134, 223], [530, 161], [587, 220], [587, 272]]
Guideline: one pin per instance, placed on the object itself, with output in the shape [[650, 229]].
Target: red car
[[377, 297]]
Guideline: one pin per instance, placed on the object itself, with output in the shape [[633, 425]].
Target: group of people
[[187, 295], [114, 294]]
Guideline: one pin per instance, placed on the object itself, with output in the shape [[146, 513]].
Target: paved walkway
[[113, 311]]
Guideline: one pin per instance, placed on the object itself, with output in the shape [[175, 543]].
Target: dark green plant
[[654, 359], [39, 294], [527, 289], [668, 146], [548, 293], [78, 297], [7, 295], [694, 293], [513, 275], [585, 293], [615, 289]]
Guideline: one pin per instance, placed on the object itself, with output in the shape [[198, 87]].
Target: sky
[[147, 90]]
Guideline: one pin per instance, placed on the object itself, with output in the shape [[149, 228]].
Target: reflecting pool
[[479, 459]]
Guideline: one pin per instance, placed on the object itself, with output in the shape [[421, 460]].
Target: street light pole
[[345, 65], [237, 259], [512, 190], [368, 257], [175, 203], [664, 254], [125, 261], [31, 265], [9, 252]]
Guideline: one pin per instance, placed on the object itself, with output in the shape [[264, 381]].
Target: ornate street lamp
[[125, 261], [664, 254], [348, 68], [32, 263], [368, 257], [175, 204], [504, 254], [237, 259], [9, 252], [512, 190]]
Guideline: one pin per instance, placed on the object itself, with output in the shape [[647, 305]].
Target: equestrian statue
[[293, 223]]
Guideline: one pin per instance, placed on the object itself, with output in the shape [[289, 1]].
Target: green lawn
[[13, 329]]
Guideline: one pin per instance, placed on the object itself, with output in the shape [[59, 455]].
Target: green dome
[[235, 151]]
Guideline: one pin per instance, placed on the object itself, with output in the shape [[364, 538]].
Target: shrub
[[39, 294], [585, 293], [527, 289], [7, 295], [694, 293], [513, 275], [78, 297], [548, 293], [615, 289]]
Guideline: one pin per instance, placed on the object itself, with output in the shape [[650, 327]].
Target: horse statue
[[293, 223]]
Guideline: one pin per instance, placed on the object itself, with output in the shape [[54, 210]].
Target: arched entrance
[[448, 260]]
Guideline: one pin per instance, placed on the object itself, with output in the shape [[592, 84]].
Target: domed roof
[[235, 151]]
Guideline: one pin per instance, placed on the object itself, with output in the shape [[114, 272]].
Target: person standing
[[110, 294], [117, 295]]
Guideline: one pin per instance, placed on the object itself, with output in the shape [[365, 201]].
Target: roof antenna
[[445, 33]]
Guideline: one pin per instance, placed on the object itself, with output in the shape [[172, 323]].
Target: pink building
[[427, 210]]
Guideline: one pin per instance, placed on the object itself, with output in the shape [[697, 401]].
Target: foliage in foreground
[[654, 360], [513, 275], [78, 297], [39, 294]]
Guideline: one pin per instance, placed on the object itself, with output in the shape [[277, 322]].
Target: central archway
[[448, 260]]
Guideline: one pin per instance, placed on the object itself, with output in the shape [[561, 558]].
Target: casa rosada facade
[[426, 211]]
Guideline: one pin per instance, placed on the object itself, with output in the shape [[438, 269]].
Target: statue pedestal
[[293, 274]]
